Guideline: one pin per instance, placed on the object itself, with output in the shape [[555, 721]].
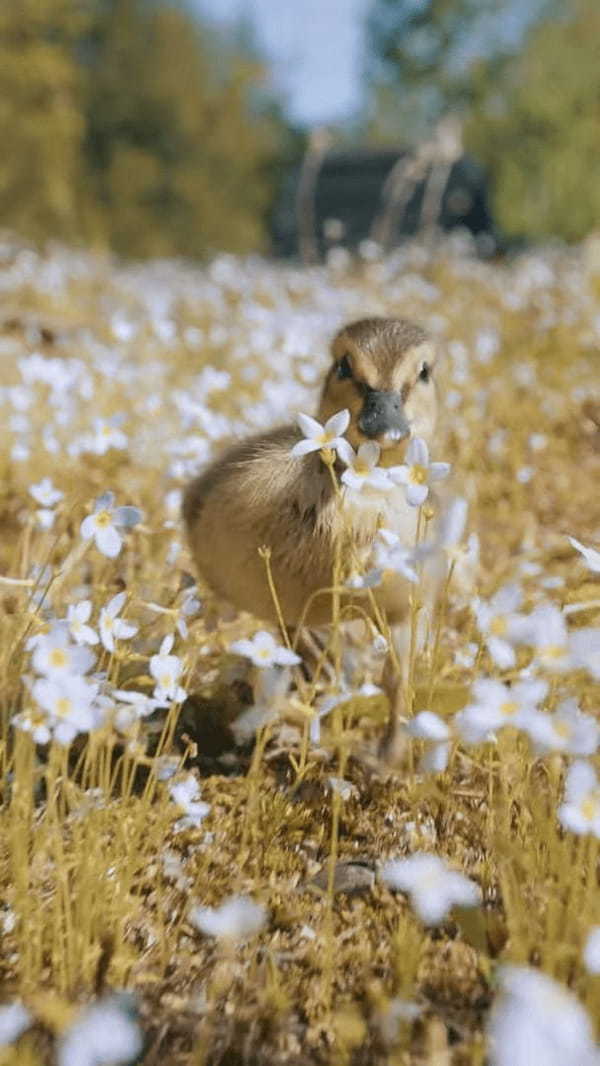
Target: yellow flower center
[[508, 708], [58, 657], [564, 729], [499, 626], [165, 680], [360, 467], [264, 653], [103, 519], [63, 705], [552, 652], [418, 474]]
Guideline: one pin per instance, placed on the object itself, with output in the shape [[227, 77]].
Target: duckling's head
[[383, 373]]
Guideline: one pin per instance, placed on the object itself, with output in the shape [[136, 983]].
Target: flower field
[[204, 857]]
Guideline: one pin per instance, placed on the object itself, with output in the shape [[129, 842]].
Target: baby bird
[[257, 494]]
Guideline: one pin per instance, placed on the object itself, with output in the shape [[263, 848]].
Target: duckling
[[257, 494]]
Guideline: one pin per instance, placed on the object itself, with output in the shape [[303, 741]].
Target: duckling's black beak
[[383, 415]]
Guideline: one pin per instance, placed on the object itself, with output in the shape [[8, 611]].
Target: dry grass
[[97, 881]]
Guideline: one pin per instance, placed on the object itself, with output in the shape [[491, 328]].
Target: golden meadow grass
[[99, 877]]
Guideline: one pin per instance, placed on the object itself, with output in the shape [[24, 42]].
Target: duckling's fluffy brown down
[[258, 495]]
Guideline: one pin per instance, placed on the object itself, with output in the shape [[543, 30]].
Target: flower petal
[[398, 474], [439, 471], [309, 426], [104, 502], [345, 451], [303, 447], [369, 453], [88, 527], [337, 425], [286, 657], [127, 516], [416, 494], [417, 453], [115, 604], [108, 541]]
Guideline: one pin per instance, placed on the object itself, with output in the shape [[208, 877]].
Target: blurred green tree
[[537, 128], [41, 122], [128, 124], [422, 54], [177, 145]]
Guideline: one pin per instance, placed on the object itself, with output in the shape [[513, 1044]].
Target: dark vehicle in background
[[385, 195]]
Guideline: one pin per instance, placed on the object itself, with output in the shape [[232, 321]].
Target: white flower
[[555, 649], [584, 646], [166, 670], [186, 794], [263, 650], [580, 811], [45, 493], [435, 731], [45, 518], [391, 555], [500, 624], [453, 523], [417, 473], [546, 631], [591, 951], [106, 435], [465, 657], [432, 886], [55, 656], [101, 525], [14, 1020], [537, 1022], [78, 615], [111, 626], [369, 580], [567, 730], [318, 437], [496, 705], [591, 555], [362, 473], [69, 705], [236, 919], [103, 1034], [141, 704], [35, 722]]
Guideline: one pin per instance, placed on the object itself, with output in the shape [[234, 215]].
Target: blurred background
[[287, 127]]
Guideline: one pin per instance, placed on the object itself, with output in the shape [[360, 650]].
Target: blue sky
[[314, 46]]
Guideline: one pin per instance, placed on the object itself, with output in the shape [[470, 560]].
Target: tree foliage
[[537, 129], [41, 121], [421, 57], [126, 123]]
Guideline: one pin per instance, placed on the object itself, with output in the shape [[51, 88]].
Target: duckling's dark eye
[[344, 370], [425, 372]]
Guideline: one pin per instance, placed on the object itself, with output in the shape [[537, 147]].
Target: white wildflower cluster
[[242, 345], [47, 496], [433, 887], [236, 919], [61, 701], [186, 794], [537, 1020], [362, 474]]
